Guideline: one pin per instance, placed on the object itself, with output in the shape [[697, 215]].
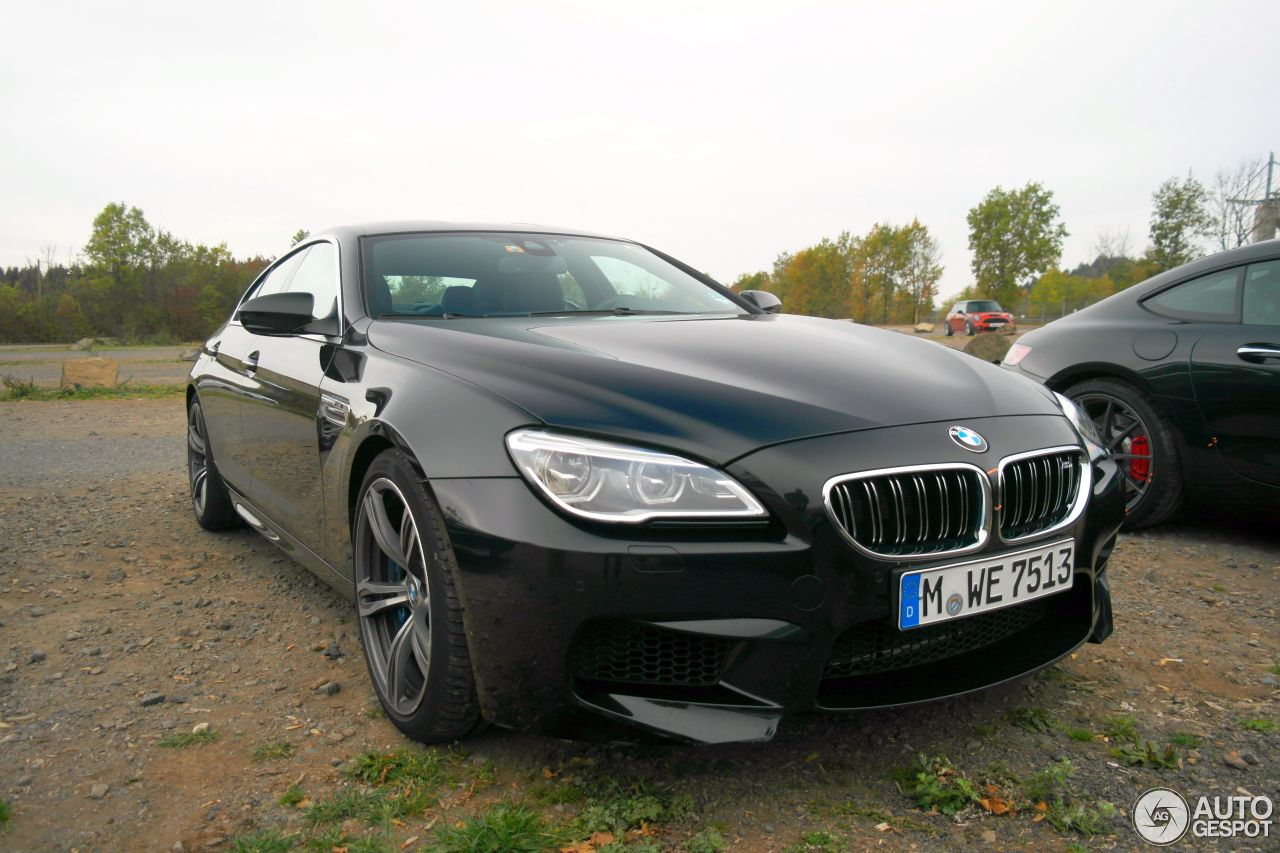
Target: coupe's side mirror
[[277, 313], [763, 299]]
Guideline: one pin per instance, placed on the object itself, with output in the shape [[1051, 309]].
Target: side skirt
[[275, 534]]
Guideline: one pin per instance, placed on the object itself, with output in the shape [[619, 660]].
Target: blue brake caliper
[[395, 573]]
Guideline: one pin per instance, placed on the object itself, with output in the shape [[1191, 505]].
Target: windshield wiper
[[616, 312]]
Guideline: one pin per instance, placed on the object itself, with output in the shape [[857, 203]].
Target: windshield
[[983, 305], [510, 274]]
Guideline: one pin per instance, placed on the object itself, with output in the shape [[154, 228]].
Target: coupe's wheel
[[1144, 446], [968, 328], [209, 498], [409, 611], [948, 330]]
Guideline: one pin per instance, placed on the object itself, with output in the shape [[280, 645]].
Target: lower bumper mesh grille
[[879, 646], [635, 653]]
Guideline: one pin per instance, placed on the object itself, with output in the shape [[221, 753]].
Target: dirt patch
[[123, 627]]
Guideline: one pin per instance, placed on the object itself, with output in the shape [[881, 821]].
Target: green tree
[[1180, 218], [1014, 235], [923, 269], [298, 236]]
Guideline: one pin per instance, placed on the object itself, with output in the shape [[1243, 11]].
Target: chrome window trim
[[984, 528], [1082, 491], [293, 250]]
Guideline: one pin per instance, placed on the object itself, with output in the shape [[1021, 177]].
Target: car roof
[[410, 226], [1264, 250]]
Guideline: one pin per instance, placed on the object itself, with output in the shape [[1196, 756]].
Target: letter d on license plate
[[934, 595]]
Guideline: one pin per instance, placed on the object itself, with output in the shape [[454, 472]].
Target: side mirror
[[763, 299], [277, 314]]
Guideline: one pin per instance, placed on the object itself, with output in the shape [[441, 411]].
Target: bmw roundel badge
[[968, 439]]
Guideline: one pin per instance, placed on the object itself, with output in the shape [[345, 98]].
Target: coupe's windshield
[[982, 306], [517, 274]]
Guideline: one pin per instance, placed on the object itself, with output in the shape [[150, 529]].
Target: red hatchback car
[[979, 315]]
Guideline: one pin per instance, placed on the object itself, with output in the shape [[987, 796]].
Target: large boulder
[[988, 347], [924, 328], [94, 372], [83, 345]]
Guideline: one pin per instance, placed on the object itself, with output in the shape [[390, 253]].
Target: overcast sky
[[721, 133]]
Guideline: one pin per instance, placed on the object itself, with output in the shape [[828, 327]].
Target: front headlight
[[603, 481], [1081, 421]]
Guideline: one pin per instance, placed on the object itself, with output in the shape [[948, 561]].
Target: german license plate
[[977, 586]]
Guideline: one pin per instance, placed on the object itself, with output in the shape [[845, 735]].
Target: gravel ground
[[123, 625]]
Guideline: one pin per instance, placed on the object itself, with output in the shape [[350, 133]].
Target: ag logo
[[1161, 816], [968, 439]]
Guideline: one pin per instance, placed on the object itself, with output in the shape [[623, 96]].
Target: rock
[[83, 345], [24, 780], [189, 355], [99, 790], [199, 728], [36, 656], [989, 837], [335, 737], [151, 699], [924, 328], [988, 347], [1249, 757], [94, 372], [1233, 759], [329, 688]]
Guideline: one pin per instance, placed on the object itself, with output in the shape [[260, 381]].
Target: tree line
[[132, 281], [890, 274]]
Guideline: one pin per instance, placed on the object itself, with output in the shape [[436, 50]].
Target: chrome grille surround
[[892, 500], [1038, 495]]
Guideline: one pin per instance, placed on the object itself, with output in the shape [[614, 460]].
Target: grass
[[1049, 791], [1186, 740], [706, 841], [935, 784], [1049, 784], [554, 793], [1140, 755], [503, 828], [617, 807], [816, 842], [182, 740], [1275, 669], [292, 796], [373, 807], [271, 751], [406, 770], [1086, 819], [1256, 724], [1120, 727], [263, 841], [25, 389], [1080, 735], [6, 814], [1031, 720]]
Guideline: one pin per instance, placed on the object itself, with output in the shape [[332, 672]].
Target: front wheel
[[948, 331], [1143, 443], [968, 328], [408, 607]]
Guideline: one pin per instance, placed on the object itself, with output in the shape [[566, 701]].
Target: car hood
[[717, 387]]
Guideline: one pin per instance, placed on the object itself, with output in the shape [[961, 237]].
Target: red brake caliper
[[1140, 464]]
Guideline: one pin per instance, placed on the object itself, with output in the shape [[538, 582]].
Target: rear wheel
[[1143, 443], [209, 498], [409, 611]]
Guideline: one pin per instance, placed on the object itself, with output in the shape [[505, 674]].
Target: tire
[[210, 500], [407, 605], [1144, 443], [968, 328], [948, 331]]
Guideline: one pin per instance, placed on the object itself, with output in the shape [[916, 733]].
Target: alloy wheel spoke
[[195, 440], [199, 483], [400, 657], [377, 597], [422, 647], [384, 532], [1134, 484], [408, 539], [1106, 420]]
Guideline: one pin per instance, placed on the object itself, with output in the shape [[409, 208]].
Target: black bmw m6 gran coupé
[[574, 486]]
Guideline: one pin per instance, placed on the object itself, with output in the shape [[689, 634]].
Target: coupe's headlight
[[1081, 421], [614, 482]]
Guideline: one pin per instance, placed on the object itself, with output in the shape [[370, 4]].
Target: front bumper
[[712, 634]]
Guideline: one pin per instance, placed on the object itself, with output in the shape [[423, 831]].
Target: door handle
[[251, 361], [1258, 352]]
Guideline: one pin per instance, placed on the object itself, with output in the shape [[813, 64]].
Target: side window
[[278, 279], [1261, 306], [318, 275], [1212, 298]]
